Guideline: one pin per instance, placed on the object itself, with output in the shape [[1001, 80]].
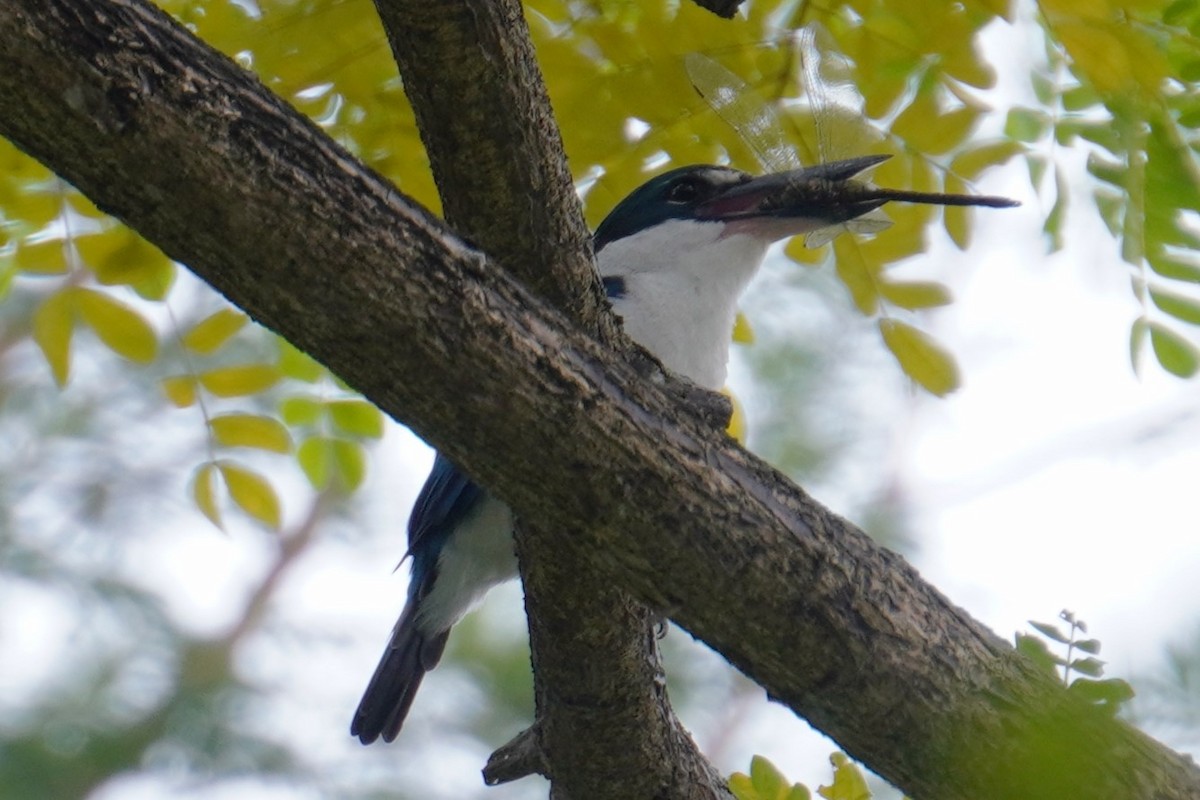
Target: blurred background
[[146, 652]]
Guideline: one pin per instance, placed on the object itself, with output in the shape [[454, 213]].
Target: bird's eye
[[683, 192]]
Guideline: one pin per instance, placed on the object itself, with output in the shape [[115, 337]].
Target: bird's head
[[691, 207], [677, 252]]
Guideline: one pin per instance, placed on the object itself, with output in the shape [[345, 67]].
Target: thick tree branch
[[470, 72], [179, 142]]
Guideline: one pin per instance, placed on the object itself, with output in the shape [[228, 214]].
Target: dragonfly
[[759, 125]]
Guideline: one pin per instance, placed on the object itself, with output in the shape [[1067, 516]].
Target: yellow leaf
[[120, 257], [1097, 55], [53, 324], [118, 326], [737, 423], [949, 130], [805, 256], [204, 493], [34, 209], [180, 390], [251, 492], [915, 294], [214, 330], [921, 358], [240, 380], [848, 781], [957, 219], [742, 787], [46, 257], [742, 332], [357, 418], [251, 430], [857, 275]]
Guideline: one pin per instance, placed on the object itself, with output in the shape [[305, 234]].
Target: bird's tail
[[409, 655]]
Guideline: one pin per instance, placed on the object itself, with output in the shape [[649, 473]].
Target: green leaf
[[357, 418], [204, 493], [251, 430], [240, 380], [1108, 692], [1092, 667], [1176, 354], [1036, 650], [297, 365], [1179, 306], [921, 358], [1091, 646], [214, 330], [1058, 212], [768, 781], [1174, 268], [1050, 631], [124, 330], [1026, 124], [53, 323], [1137, 341], [315, 457], [970, 163], [252, 493], [301, 410], [351, 462]]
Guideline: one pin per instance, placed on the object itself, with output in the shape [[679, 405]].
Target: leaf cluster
[[1107, 693]]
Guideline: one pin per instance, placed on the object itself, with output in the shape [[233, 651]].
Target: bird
[[674, 257]]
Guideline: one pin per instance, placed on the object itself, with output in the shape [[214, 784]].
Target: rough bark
[[196, 155], [603, 719]]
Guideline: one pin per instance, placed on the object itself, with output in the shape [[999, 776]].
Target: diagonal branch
[[194, 153]]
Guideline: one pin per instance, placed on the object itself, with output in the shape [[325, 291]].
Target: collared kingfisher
[[674, 257]]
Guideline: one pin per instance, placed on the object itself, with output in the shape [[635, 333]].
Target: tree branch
[[195, 154], [603, 720]]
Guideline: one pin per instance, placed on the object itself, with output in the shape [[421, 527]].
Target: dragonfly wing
[[871, 222], [823, 236], [744, 111], [874, 222], [833, 98]]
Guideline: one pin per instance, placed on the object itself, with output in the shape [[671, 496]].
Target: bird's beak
[[784, 204], [751, 198]]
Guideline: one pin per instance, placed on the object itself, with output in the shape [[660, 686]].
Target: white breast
[[682, 282]]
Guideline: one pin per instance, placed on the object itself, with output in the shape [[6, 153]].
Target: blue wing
[[447, 496], [445, 499]]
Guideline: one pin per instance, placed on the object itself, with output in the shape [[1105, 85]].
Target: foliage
[[1108, 693], [766, 782], [1120, 80]]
